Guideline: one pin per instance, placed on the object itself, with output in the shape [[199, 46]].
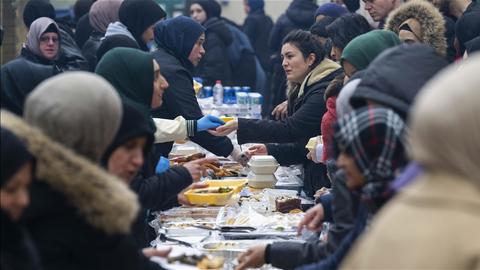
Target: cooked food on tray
[[215, 171], [201, 261], [184, 159], [214, 190]]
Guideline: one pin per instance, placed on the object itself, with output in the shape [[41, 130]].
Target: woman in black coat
[[309, 73], [215, 65], [17, 251]]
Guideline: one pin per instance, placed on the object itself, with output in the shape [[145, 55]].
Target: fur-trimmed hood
[[430, 19], [103, 200]]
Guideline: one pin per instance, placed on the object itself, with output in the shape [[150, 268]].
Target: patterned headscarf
[[375, 137]]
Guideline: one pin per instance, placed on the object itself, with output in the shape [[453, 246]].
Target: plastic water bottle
[[218, 93], [255, 102]]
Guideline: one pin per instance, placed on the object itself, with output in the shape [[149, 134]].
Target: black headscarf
[[138, 15], [82, 7], [14, 155], [211, 7], [134, 125], [467, 28], [178, 35], [35, 9]]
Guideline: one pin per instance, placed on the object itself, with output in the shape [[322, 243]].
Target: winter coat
[[215, 64], [418, 215], [430, 20], [246, 68], [288, 255], [19, 78], [287, 138], [83, 30], [180, 100], [18, 252], [257, 27], [417, 63], [328, 120], [90, 49], [72, 221], [71, 54], [299, 15]]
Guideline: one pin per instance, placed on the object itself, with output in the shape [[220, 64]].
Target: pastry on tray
[[284, 204]]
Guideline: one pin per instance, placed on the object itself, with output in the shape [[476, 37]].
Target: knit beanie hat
[[35, 9]]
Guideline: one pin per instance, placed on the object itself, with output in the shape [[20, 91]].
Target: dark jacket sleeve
[[288, 153], [180, 99], [304, 123], [156, 191], [288, 255]]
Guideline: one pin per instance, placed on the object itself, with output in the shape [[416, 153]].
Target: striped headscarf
[[375, 137]]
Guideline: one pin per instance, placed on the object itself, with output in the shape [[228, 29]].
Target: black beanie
[[14, 155], [320, 28], [138, 15], [134, 125], [35, 9]]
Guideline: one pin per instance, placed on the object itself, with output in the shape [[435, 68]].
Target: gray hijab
[[37, 28], [104, 12], [81, 110]]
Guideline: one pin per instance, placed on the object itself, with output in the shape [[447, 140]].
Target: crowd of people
[[90, 112]]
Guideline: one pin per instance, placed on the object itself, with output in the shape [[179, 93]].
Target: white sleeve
[[170, 130]]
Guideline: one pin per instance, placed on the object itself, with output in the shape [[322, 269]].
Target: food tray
[[208, 198]]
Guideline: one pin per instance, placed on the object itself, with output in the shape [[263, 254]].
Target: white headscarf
[[445, 122], [81, 110]]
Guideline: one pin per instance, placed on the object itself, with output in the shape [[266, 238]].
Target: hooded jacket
[[19, 78], [447, 149], [430, 19], [214, 64], [72, 222], [299, 15], [287, 138], [176, 38], [396, 75]]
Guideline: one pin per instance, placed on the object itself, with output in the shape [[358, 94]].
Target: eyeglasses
[[47, 39]]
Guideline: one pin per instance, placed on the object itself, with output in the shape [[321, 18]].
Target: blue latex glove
[[208, 122], [162, 165]]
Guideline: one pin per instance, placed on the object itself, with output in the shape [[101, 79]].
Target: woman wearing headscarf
[[369, 165], [343, 30], [101, 14], [439, 213], [17, 250], [136, 21], [137, 78], [419, 21], [309, 73], [72, 220], [180, 41], [214, 65], [43, 42], [332, 10]]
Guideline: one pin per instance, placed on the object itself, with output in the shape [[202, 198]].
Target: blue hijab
[[178, 35]]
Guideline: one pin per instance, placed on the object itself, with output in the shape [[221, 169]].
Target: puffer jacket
[[90, 49]]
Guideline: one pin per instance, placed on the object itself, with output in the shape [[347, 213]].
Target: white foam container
[[261, 181], [263, 161], [263, 169]]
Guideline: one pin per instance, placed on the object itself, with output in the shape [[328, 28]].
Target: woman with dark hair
[[215, 65], [309, 73], [18, 251], [343, 30]]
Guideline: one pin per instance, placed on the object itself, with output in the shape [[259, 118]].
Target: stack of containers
[[262, 172]]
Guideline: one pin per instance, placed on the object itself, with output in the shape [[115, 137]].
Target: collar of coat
[[321, 71], [103, 200]]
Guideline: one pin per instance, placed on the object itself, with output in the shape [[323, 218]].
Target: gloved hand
[[208, 122], [162, 165]]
